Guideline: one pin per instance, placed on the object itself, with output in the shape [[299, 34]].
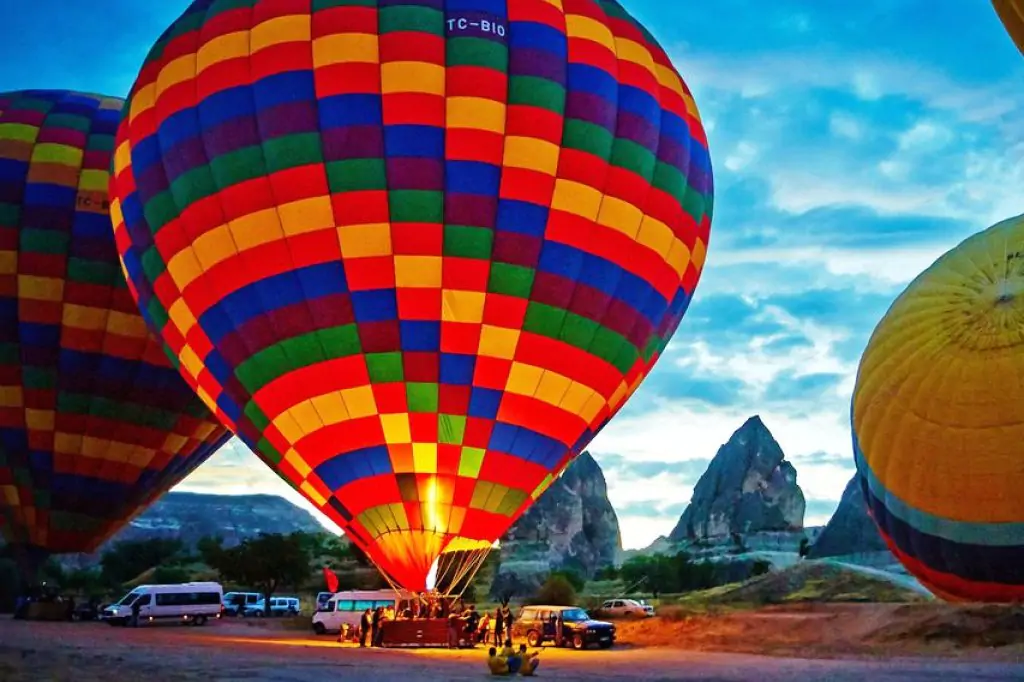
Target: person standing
[[499, 627], [506, 615], [136, 608], [365, 624], [454, 625], [375, 629], [485, 628]]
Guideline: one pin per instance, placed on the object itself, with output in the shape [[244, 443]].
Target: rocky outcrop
[[572, 527], [850, 530], [749, 487], [191, 516]]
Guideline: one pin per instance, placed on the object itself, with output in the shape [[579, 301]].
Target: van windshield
[[129, 599]]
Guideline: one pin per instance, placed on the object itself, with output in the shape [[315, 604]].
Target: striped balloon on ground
[[95, 423], [416, 253], [938, 420]]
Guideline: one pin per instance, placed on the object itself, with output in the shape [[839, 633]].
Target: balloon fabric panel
[[1011, 13], [416, 254], [938, 420], [94, 421]]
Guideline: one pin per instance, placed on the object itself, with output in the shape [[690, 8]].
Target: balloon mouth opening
[[431, 580]]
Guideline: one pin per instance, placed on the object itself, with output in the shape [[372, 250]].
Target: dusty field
[[833, 630], [91, 652]]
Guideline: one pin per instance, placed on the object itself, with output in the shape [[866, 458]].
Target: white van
[[348, 607], [237, 603], [193, 603]]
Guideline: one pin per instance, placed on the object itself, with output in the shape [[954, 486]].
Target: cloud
[[652, 510], [818, 512], [868, 76]]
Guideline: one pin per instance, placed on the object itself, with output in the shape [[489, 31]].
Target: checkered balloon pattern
[[416, 253], [95, 423]]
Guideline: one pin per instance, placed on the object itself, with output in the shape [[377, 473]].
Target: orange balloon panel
[[416, 254]]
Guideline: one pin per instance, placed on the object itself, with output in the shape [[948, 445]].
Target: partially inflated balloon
[[416, 253], [938, 420], [1011, 13], [95, 423]]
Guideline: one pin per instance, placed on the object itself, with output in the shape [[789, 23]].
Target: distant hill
[[191, 516]]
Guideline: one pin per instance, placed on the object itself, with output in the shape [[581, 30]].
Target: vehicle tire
[[199, 621], [319, 629], [578, 643], [533, 639], [605, 645]]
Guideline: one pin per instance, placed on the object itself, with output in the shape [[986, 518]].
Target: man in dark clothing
[[136, 608], [364, 628], [472, 617], [506, 616], [375, 629]]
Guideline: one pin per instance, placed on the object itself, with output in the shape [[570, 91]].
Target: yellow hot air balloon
[[938, 420], [1011, 13]]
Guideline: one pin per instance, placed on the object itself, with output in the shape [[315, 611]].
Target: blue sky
[[852, 143]]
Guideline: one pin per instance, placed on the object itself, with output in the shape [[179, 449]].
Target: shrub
[[556, 591]]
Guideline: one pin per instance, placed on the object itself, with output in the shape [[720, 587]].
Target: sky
[[852, 144]]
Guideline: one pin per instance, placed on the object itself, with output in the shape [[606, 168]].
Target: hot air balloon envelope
[[416, 254], [95, 423], [938, 420]]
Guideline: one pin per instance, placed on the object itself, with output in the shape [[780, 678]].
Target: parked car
[[193, 603], [87, 611], [626, 608], [279, 606], [237, 603], [539, 624]]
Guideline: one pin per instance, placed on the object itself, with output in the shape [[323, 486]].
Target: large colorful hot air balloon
[[938, 420], [1011, 13], [415, 253], [95, 423]]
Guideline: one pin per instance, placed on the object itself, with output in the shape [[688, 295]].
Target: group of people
[[508, 661], [474, 628], [466, 625]]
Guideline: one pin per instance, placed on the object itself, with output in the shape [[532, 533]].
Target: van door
[[146, 608]]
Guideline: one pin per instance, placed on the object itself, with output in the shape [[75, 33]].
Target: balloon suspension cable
[[460, 570]]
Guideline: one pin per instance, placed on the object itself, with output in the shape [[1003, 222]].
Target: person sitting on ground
[[530, 661], [495, 663], [512, 656]]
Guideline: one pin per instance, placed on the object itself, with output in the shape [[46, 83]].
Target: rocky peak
[[749, 487], [191, 516], [850, 530], [572, 526]]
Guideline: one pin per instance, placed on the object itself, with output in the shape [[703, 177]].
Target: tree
[[607, 573], [126, 560], [556, 591], [575, 579], [171, 575], [266, 563]]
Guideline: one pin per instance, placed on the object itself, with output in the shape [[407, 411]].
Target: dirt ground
[[873, 642], [831, 630]]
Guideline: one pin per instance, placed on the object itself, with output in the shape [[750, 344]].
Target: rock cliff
[[191, 516], [749, 487], [572, 526], [850, 530]]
